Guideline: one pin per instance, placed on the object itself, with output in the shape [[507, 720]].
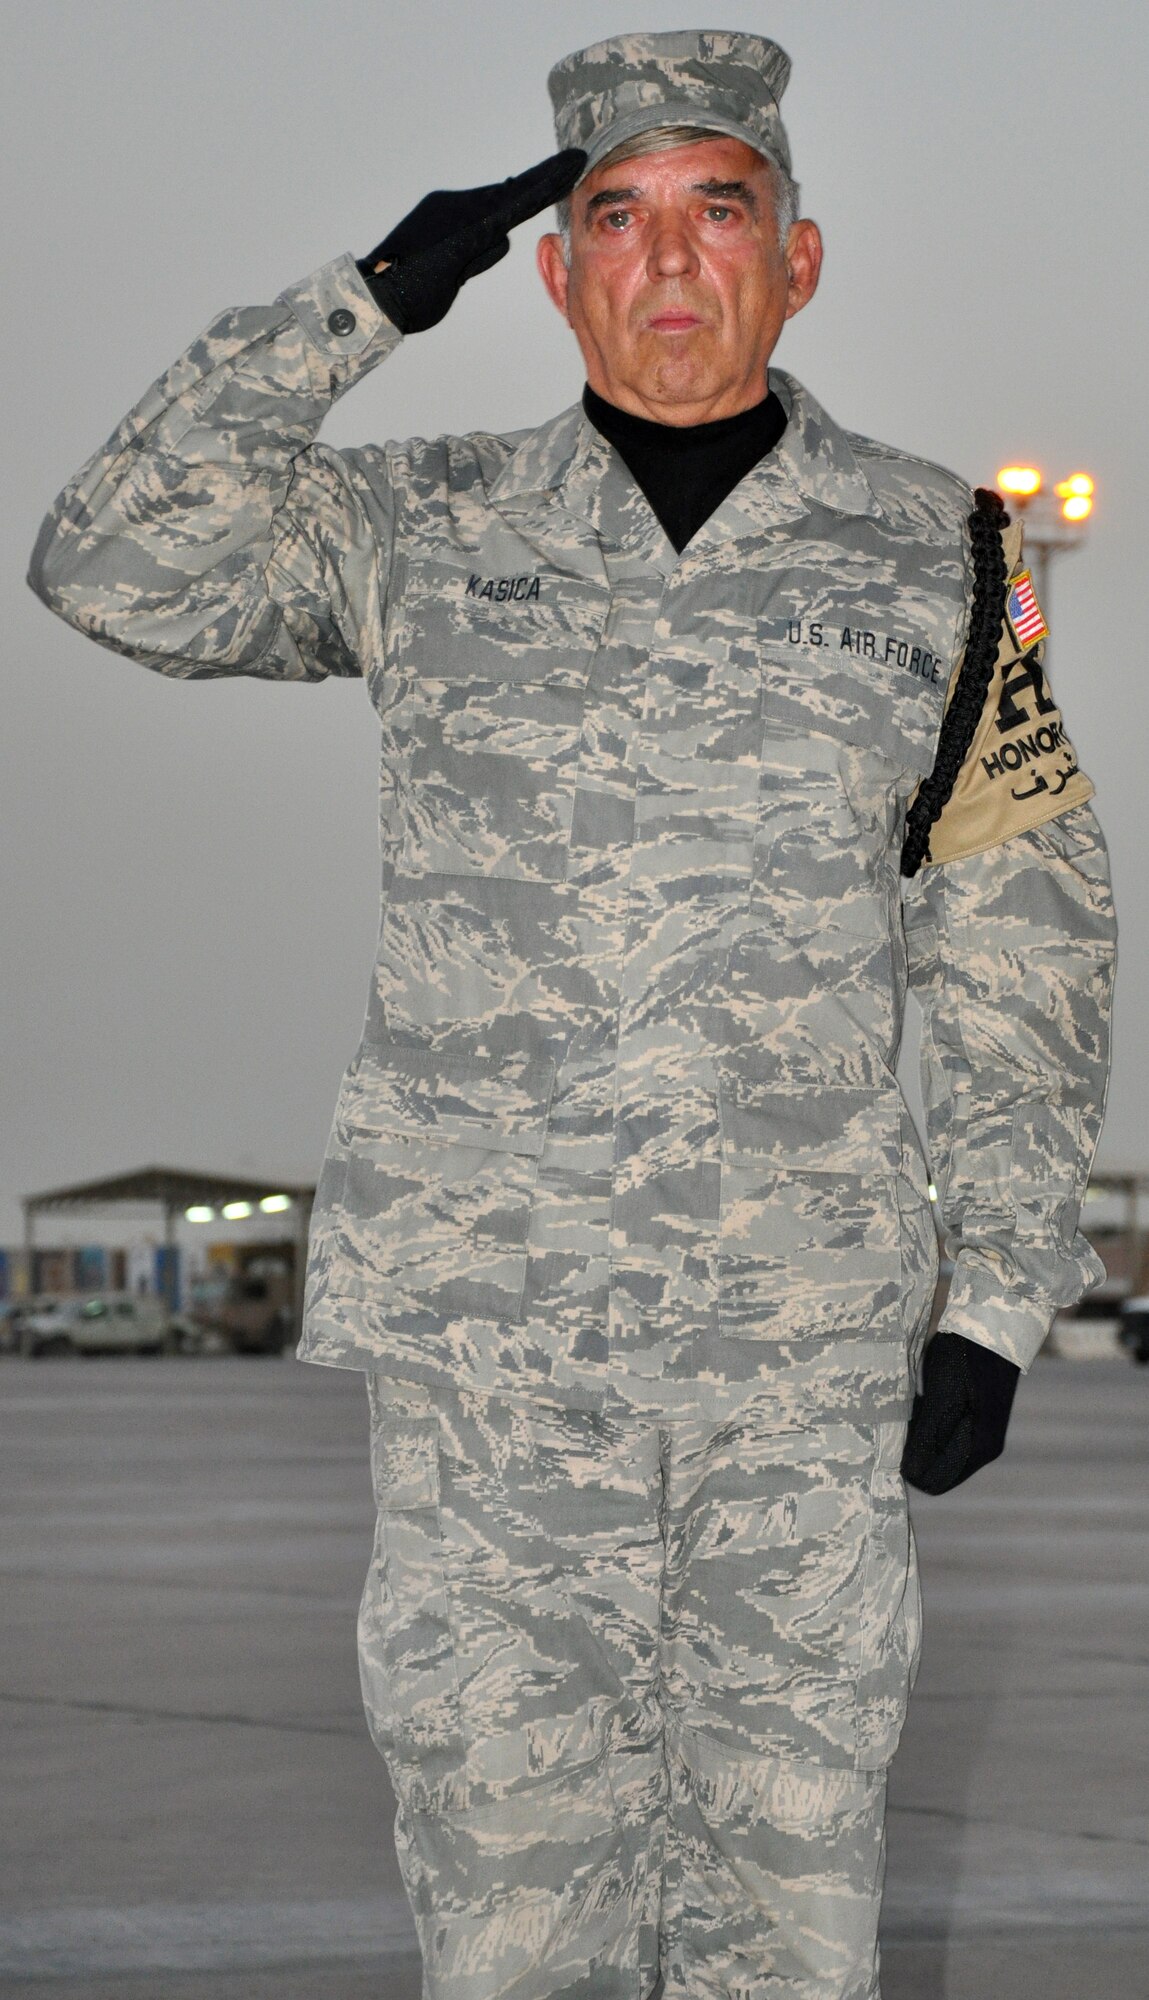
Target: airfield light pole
[[1055, 519]]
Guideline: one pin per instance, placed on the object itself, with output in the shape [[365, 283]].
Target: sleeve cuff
[[340, 317], [1013, 1324]]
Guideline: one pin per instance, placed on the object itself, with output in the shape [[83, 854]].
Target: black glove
[[960, 1418], [454, 234]]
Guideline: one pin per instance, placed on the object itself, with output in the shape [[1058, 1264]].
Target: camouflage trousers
[[636, 1680]]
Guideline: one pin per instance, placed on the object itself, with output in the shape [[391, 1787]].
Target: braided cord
[[959, 726]]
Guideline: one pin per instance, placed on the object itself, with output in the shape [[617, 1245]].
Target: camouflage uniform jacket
[[624, 1111]]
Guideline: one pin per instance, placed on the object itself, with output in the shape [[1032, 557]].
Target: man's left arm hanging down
[[1011, 939]]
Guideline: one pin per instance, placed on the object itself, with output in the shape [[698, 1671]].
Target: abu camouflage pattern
[[721, 82], [609, 837], [624, 1118], [623, 1213], [636, 1681], [1011, 956]]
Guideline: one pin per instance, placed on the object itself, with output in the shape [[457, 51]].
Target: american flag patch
[[1024, 612]]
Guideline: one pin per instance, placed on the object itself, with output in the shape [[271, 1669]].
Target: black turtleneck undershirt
[[686, 471]]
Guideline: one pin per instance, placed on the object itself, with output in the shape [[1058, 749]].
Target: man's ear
[[803, 252], [553, 271]]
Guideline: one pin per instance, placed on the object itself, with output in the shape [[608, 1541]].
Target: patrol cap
[[714, 78]]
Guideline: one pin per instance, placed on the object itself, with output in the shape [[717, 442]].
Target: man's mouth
[[673, 320]]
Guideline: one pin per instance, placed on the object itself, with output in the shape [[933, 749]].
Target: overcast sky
[[189, 871]]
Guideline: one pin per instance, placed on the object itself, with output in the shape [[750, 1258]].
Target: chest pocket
[[852, 685], [482, 699], [875, 676], [825, 843], [502, 618]]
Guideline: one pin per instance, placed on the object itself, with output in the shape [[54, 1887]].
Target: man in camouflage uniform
[[623, 1214]]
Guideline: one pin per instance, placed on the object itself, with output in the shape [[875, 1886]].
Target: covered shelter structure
[[176, 1191], [1120, 1233]]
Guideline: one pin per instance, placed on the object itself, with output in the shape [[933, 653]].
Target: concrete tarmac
[[193, 1810]]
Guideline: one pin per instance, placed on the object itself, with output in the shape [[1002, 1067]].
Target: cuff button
[[341, 321]]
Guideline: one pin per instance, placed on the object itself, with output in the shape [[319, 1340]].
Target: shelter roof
[[172, 1187]]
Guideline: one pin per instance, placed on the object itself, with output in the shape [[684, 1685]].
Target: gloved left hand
[[960, 1418]]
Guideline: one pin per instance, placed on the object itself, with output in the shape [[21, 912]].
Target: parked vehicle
[[250, 1310], [44, 1327], [102, 1323], [12, 1315], [1133, 1328]]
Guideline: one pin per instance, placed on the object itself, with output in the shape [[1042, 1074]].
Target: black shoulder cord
[[965, 710]]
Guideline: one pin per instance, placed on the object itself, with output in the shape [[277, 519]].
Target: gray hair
[[785, 190]]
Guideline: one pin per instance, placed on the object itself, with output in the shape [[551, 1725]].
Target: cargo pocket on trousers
[[407, 1664], [891, 1610], [441, 1160]]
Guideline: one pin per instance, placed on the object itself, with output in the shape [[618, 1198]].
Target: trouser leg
[[548, 1588], [789, 1634], [509, 1647], [774, 1880]]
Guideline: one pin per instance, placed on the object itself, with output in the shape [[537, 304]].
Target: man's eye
[[616, 218], [717, 212]]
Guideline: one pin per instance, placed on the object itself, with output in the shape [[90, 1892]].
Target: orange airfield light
[[1056, 517], [1024, 482], [1076, 496]]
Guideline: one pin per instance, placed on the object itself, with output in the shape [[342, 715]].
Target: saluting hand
[[454, 234]]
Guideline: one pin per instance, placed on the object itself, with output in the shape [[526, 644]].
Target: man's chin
[[679, 384]]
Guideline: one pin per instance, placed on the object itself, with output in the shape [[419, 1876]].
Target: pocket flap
[[815, 1128], [530, 623], [460, 1100]]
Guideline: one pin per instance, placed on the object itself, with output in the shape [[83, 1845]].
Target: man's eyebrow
[[610, 197], [728, 191]]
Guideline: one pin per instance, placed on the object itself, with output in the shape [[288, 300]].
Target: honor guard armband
[[1004, 763]]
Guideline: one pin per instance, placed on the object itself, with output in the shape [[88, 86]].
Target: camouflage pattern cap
[[709, 77]]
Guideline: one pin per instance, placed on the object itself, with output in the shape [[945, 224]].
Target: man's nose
[[672, 252]]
